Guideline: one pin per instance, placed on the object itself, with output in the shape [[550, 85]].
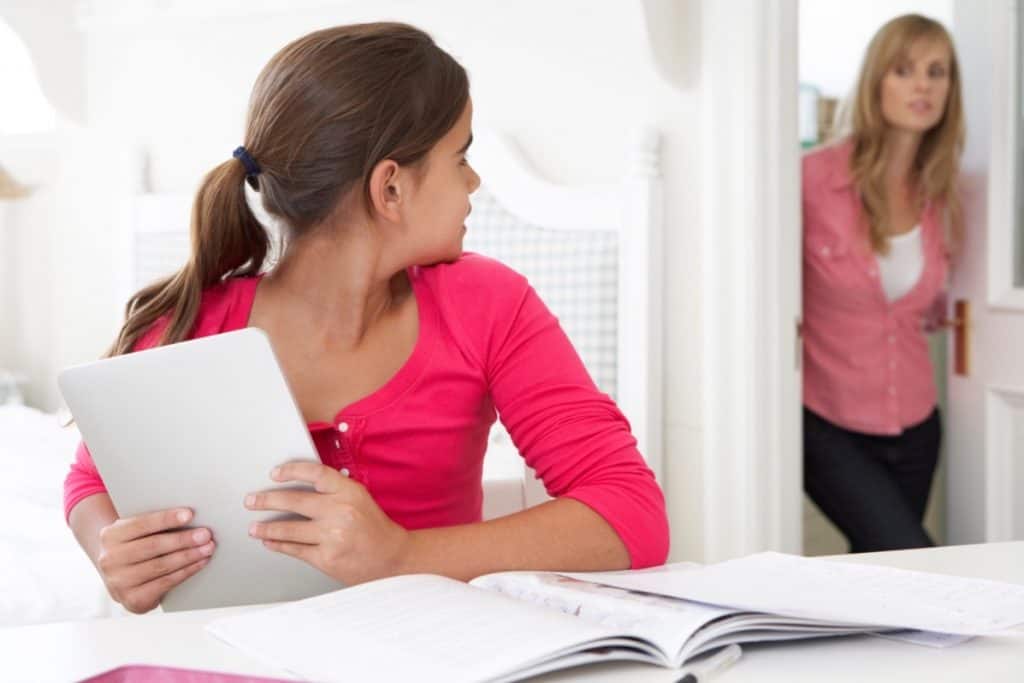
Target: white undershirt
[[901, 268]]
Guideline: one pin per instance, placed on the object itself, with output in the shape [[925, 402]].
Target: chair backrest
[[593, 254]]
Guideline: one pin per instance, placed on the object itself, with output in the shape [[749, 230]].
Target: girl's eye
[[902, 70], [465, 160], [937, 72]]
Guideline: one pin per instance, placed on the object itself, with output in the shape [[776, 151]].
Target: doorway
[[832, 41]]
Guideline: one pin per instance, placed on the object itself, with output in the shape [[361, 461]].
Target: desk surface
[[71, 651]]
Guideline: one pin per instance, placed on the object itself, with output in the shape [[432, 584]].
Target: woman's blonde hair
[[937, 163]]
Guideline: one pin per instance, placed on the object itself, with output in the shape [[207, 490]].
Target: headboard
[[594, 254]]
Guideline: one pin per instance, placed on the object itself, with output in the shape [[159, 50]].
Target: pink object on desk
[[141, 673]]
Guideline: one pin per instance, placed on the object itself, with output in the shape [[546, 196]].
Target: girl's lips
[[920, 107]]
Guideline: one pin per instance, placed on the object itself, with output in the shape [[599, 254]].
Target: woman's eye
[[465, 160], [902, 70], [937, 72]]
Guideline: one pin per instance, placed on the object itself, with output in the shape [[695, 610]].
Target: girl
[[881, 218], [398, 347]]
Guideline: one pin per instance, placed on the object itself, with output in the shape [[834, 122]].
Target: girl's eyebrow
[[469, 142]]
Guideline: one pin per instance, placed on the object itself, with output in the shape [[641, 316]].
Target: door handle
[[961, 325]]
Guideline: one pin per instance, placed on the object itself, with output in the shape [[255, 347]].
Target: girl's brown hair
[[937, 163], [323, 113]]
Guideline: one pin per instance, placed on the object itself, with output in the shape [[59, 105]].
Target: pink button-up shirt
[[486, 345], [866, 361]]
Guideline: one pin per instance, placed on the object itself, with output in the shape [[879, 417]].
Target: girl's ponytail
[[226, 240]]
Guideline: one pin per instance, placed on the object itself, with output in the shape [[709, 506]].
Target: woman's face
[[915, 89], [440, 202]]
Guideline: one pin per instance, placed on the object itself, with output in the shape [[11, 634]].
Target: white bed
[[593, 253], [45, 576]]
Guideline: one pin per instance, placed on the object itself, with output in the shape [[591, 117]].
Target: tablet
[[200, 424]]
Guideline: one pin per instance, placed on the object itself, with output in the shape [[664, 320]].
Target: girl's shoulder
[[230, 291], [479, 299], [225, 306], [222, 307], [475, 276]]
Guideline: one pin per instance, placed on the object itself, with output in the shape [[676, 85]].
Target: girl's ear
[[386, 190]]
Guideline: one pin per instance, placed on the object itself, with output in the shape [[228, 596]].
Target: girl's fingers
[[323, 478], [290, 531], [305, 503], [132, 528], [144, 549], [150, 570], [302, 551], [148, 595]]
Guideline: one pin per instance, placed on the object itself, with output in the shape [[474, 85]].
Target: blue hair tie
[[252, 169]]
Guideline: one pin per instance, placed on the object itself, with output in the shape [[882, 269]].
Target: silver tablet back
[[200, 424]]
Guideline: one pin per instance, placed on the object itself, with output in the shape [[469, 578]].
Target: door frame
[[985, 407], [752, 441], [1002, 403], [1003, 156]]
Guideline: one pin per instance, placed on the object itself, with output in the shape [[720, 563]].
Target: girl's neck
[[335, 287]]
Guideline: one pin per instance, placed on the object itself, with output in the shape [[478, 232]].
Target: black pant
[[874, 488]]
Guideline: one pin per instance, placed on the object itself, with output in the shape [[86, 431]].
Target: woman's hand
[[347, 536], [140, 559]]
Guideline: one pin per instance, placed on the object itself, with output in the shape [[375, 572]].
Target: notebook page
[[841, 592], [419, 628], [666, 622]]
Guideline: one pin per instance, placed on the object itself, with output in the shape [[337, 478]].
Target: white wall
[[834, 36], [565, 78]]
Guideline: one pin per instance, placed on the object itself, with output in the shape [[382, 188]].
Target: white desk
[[70, 651]]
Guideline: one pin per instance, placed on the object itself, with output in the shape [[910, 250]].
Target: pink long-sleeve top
[[486, 343], [866, 362]]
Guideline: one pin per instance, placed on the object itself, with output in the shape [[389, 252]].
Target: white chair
[[593, 254]]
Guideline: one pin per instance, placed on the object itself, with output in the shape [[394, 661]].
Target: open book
[[508, 626]]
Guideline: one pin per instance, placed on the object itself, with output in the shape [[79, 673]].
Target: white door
[[985, 416]]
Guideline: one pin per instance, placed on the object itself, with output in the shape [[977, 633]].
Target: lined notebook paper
[[837, 591]]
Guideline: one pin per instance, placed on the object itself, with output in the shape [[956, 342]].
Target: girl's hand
[[347, 536], [140, 559]]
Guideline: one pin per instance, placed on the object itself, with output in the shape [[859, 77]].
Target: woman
[[881, 218], [399, 349]]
